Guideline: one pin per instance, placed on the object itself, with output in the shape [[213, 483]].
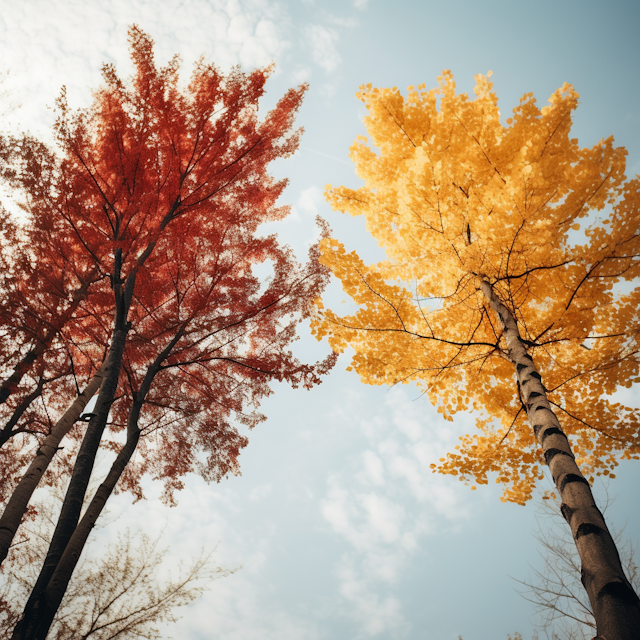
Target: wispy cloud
[[326, 155], [47, 44], [387, 504], [309, 199], [376, 614], [341, 21], [242, 606], [322, 41]]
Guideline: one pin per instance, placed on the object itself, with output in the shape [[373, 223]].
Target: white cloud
[[235, 609], [342, 22], [373, 523], [360, 4], [388, 503], [373, 469], [338, 512], [300, 75], [384, 517], [309, 199], [375, 614], [261, 491], [329, 90], [242, 606], [322, 41], [45, 45]]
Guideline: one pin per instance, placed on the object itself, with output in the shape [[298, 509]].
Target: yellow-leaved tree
[[508, 290]]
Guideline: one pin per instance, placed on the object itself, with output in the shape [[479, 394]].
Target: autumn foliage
[[456, 197], [492, 301], [178, 182], [137, 265]]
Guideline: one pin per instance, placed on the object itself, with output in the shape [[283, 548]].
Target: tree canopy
[[140, 250], [455, 197]]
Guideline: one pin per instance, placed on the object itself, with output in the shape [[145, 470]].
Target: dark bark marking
[[614, 618], [572, 477], [552, 431], [586, 528], [532, 399], [521, 367], [550, 454], [620, 591], [535, 374]]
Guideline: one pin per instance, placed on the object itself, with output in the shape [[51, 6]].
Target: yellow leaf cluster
[[455, 197]]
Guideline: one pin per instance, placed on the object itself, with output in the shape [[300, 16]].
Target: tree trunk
[[57, 586], [72, 505], [17, 505], [55, 589], [77, 489], [615, 604], [9, 385]]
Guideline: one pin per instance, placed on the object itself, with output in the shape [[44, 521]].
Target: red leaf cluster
[[177, 180]]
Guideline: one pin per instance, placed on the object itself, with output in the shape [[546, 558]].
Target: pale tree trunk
[[616, 607], [17, 505], [59, 581], [76, 491]]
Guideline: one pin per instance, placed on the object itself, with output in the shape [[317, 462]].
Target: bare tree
[[562, 605], [119, 595]]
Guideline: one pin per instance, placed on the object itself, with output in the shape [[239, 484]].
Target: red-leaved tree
[[41, 318], [155, 200]]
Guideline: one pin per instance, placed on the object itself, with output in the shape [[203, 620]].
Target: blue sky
[[341, 529]]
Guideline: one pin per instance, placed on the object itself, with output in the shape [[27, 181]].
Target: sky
[[340, 528]]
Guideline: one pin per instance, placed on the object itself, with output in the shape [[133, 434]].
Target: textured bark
[[72, 505], [74, 497], [615, 605], [9, 385], [17, 505], [57, 586]]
